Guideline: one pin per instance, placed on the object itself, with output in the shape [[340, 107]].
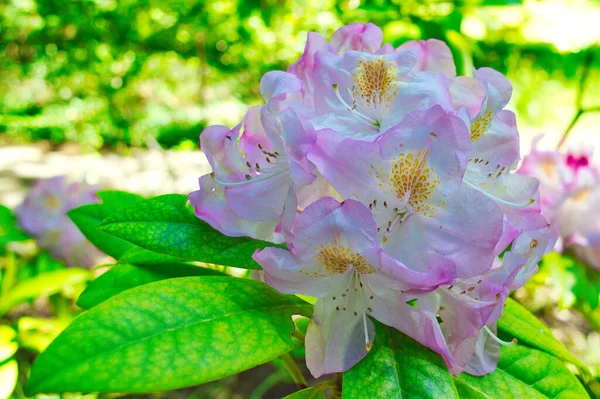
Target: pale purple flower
[[570, 194], [424, 162], [469, 308], [258, 174], [357, 37], [433, 55], [43, 215], [495, 153], [337, 258], [411, 180], [362, 95]]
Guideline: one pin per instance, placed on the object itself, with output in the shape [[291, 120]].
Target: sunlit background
[[87, 76], [116, 92]]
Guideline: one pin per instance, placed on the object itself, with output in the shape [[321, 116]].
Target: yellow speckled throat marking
[[480, 125], [411, 179], [337, 258], [375, 81]]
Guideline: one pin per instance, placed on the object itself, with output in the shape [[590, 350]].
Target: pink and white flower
[[411, 180], [43, 215], [495, 153], [258, 176], [337, 258], [424, 162], [570, 194]]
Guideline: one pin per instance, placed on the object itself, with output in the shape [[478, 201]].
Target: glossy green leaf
[[43, 285], [124, 276], [88, 218], [308, 393], [166, 225], [169, 334], [398, 367], [116, 199], [9, 230], [528, 329], [523, 373], [142, 256]]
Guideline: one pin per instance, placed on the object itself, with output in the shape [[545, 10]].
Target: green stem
[[336, 387], [570, 127], [592, 109], [323, 386], [62, 309], [299, 335], [292, 368], [585, 74], [19, 391], [267, 384]]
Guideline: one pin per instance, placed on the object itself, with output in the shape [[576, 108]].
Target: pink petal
[[335, 340], [260, 200], [211, 205], [303, 68], [358, 37], [499, 89], [434, 56], [471, 226], [283, 272]]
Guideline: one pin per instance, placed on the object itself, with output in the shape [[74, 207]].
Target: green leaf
[[523, 373], [308, 393], [43, 285], [124, 276], [166, 225], [139, 255], [528, 329], [398, 367], [169, 334], [88, 218], [9, 230], [116, 199]]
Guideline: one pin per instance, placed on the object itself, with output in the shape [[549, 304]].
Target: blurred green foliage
[[108, 73]]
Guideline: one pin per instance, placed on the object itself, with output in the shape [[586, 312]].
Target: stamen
[[353, 108], [368, 343], [495, 338]]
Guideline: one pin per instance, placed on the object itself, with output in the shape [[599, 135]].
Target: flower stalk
[[292, 368]]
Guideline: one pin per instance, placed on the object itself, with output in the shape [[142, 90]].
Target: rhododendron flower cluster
[[390, 179], [570, 197], [43, 215]]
